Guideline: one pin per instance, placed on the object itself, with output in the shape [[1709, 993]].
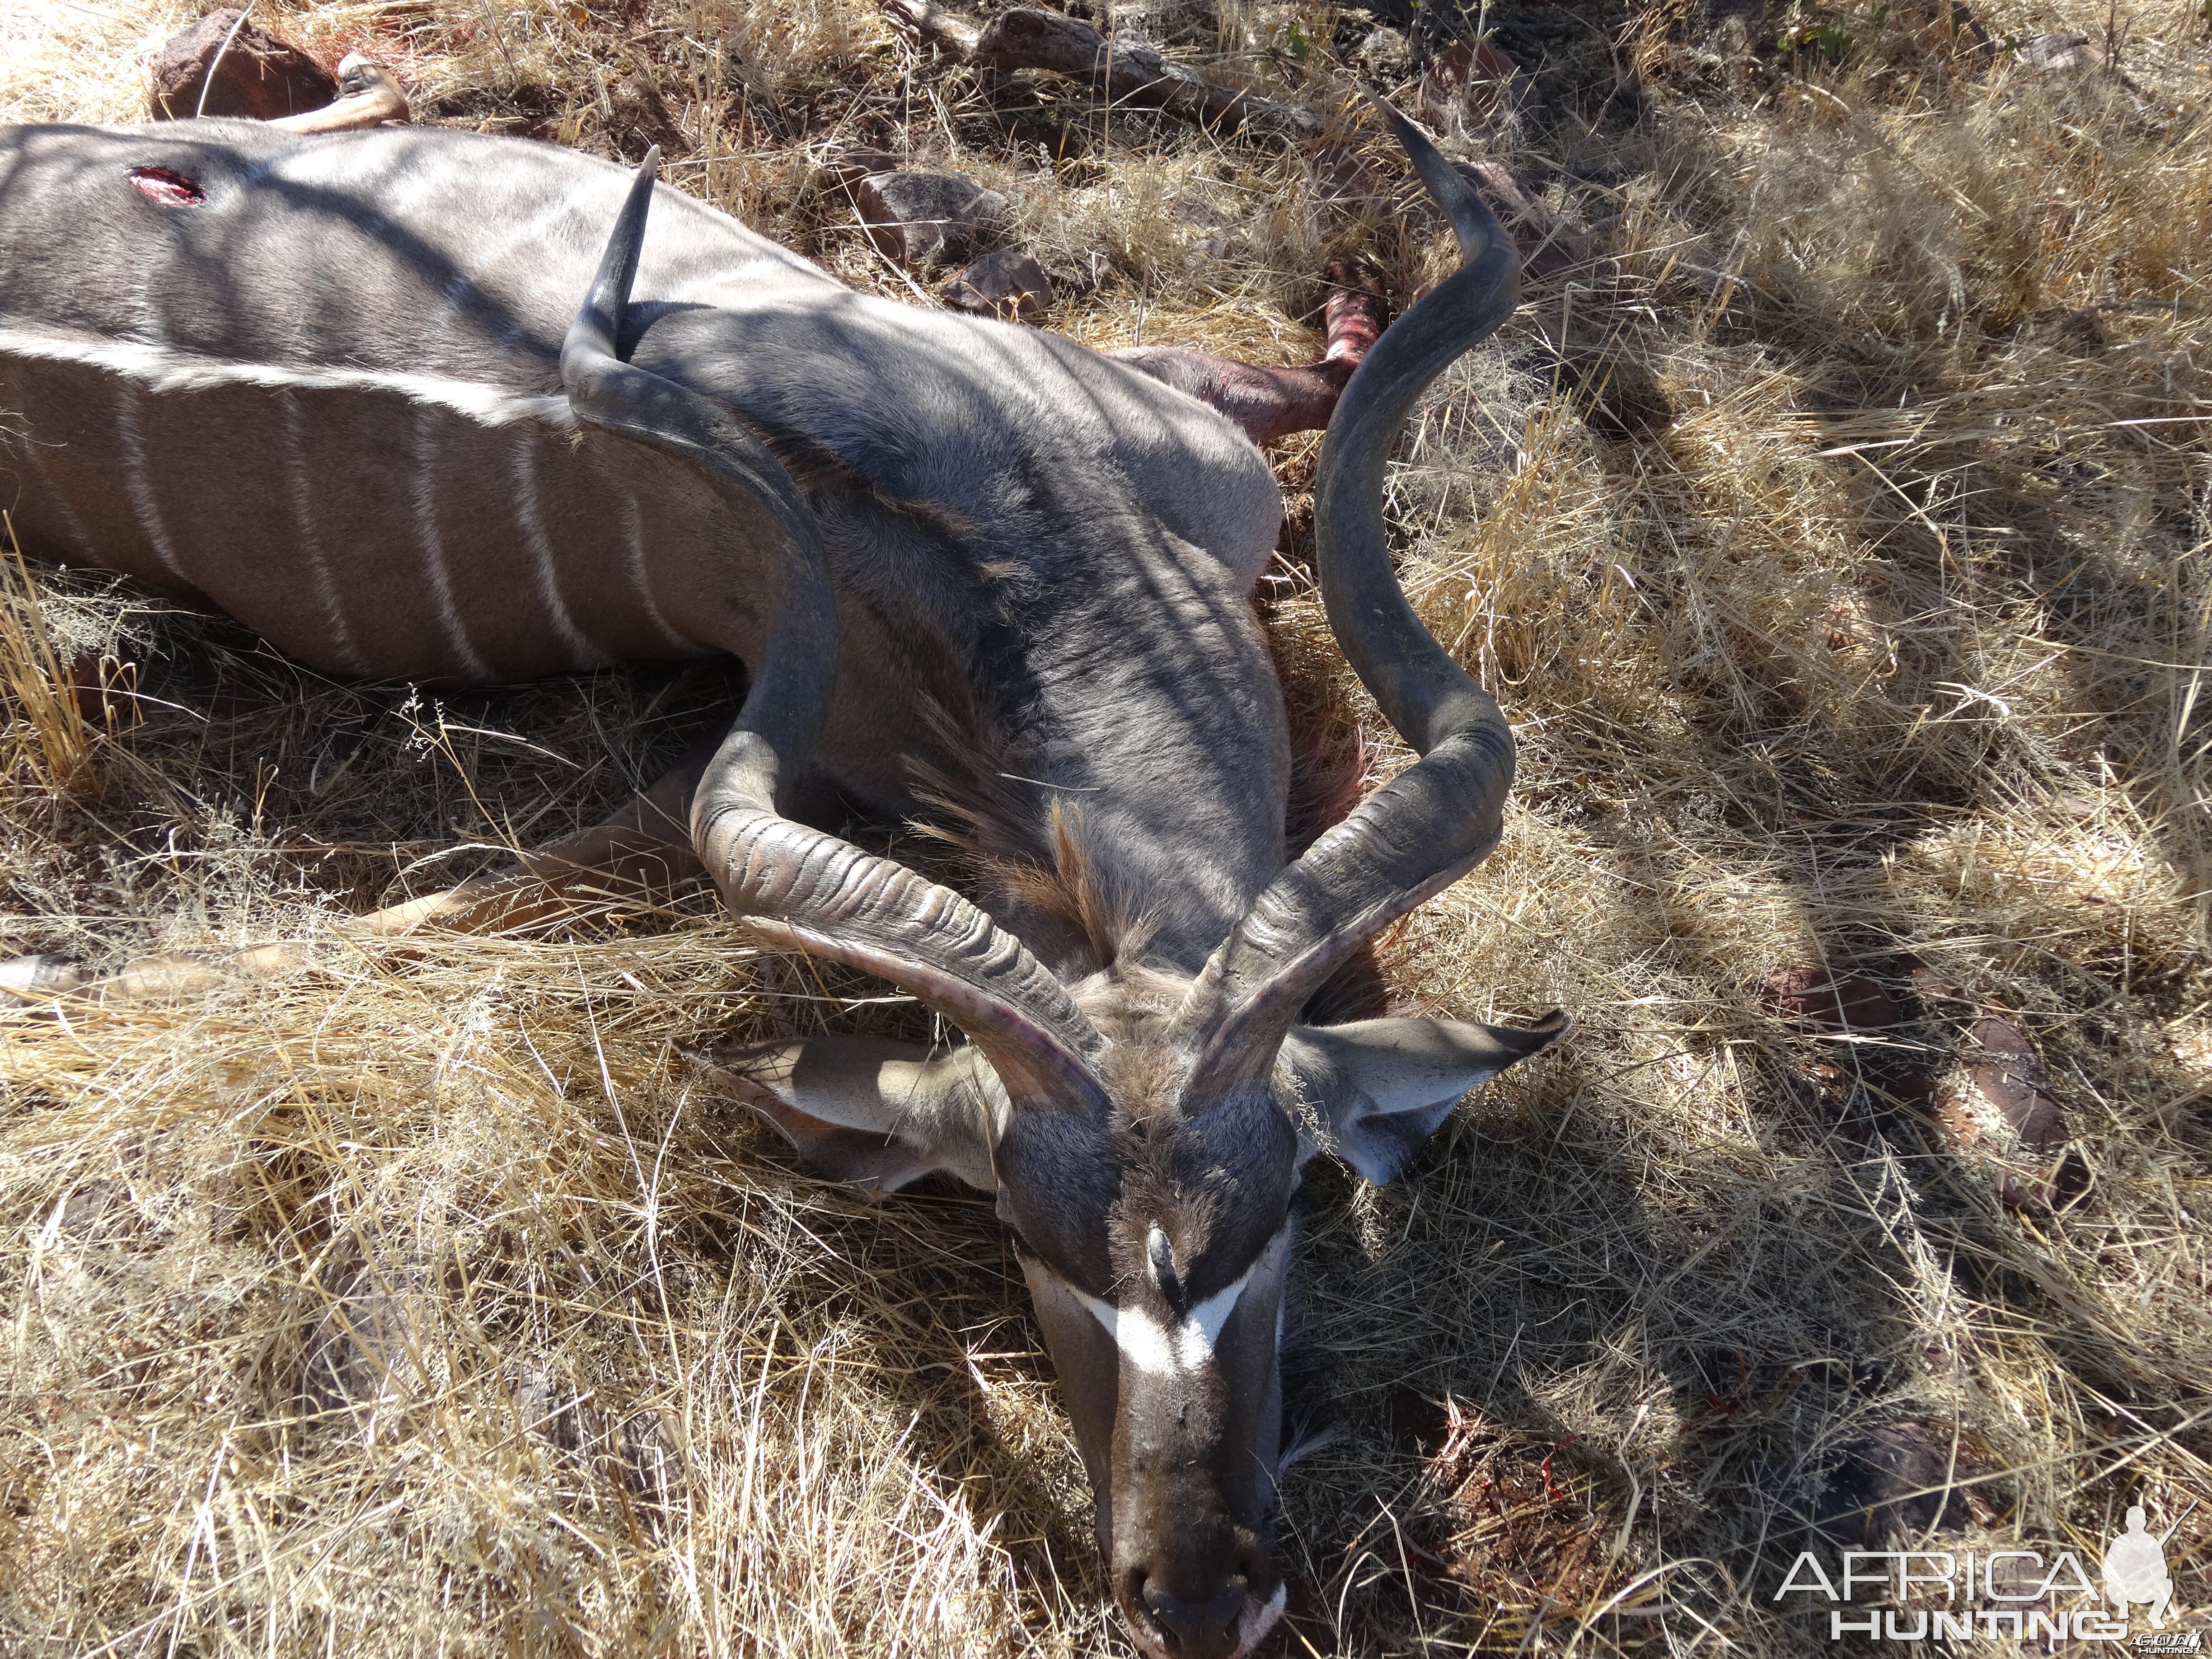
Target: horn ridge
[[1440, 816], [791, 883]]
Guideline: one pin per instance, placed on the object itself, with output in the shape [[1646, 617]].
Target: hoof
[[39, 978]]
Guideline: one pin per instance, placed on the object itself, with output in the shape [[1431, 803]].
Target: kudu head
[[1142, 1131]]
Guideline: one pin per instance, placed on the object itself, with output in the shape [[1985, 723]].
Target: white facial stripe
[[1159, 1350]]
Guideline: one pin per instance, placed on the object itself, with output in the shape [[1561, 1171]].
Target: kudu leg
[[368, 96], [1273, 403], [638, 856]]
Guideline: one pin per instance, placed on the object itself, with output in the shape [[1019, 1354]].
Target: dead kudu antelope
[[338, 386]]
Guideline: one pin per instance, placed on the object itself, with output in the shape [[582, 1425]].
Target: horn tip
[[1546, 1031]]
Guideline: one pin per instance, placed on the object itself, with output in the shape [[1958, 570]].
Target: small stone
[[924, 220], [254, 74], [1002, 284]]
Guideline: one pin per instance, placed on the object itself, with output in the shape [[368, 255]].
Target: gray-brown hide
[[349, 389]]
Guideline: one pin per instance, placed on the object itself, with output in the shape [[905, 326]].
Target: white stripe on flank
[[303, 516], [136, 483], [528, 514], [423, 490], [158, 369], [634, 548]]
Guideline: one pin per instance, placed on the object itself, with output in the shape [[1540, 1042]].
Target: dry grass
[[1837, 527]]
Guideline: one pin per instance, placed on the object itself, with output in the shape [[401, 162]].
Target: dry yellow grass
[[1837, 524]]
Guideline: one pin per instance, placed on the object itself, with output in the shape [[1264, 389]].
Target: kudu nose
[[1194, 1630]]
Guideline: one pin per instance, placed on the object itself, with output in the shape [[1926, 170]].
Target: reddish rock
[[924, 220], [1002, 284], [1834, 1002], [846, 168], [1477, 77], [254, 74], [1997, 1103]]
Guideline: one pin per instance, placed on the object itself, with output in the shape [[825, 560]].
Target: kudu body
[[340, 387]]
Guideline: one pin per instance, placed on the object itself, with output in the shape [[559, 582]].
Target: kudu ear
[[875, 1113], [1382, 1087]]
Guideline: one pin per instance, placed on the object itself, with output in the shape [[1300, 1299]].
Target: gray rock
[[256, 75], [372, 1351], [1387, 56], [1002, 284], [924, 220], [2060, 54]]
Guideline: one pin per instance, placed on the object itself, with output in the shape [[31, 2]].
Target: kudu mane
[[1009, 837]]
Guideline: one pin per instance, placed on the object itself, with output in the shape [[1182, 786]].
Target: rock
[[924, 220], [1894, 1487], [844, 169], [2060, 54], [255, 75], [1386, 55], [1837, 1003], [1002, 284], [1476, 78]]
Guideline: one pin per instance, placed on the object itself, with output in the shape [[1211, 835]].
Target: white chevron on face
[[1160, 1350]]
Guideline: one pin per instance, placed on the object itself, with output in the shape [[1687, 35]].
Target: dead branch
[[1127, 69]]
